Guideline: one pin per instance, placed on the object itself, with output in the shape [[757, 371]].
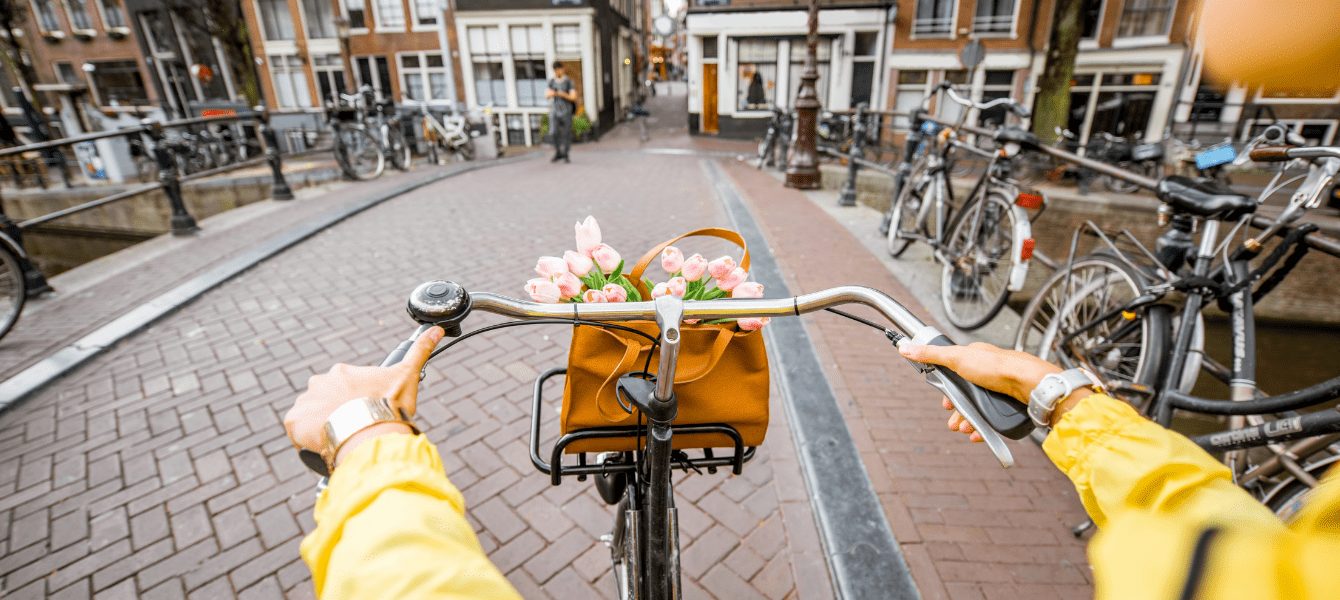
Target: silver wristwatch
[[346, 420], [1042, 400]]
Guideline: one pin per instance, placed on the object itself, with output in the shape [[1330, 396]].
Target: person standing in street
[[562, 97]]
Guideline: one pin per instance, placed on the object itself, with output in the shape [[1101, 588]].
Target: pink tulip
[[615, 293], [748, 289], [579, 264], [693, 267], [732, 279], [672, 260], [752, 324], [550, 267], [588, 235], [568, 285], [606, 257], [593, 296], [721, 267], [543, 290], [661, 289], [677, 286]]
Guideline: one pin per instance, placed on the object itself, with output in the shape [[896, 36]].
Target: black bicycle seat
[[1204, 198], [1016, 135]]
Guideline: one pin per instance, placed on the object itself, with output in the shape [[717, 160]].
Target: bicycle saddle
[[1016, 135], [1204, 198]]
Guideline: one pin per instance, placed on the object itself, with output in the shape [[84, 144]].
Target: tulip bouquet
[[594, 273]]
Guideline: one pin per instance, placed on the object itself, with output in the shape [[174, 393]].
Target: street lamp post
[[802, 170]]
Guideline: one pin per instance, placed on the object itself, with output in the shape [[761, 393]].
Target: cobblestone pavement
[[160, 470], [968, 528]]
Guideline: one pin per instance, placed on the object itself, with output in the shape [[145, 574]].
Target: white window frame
[[1014, 24], [89, 31], [377, 19], [414, 17], [423, 69], [58, 32], [260, 17], [372, 69], [1120, 41], [1092, 43], [102, 14], [320, 72], [953, 25], [301, 68], [302, 14], [1261, 98], [344, 12]]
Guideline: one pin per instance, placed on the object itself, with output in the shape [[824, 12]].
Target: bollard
[[33, 280], [279, 190], [848, 195], [182, 222]]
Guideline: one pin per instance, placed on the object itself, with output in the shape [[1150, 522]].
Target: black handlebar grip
[[1003, 413], [398, 354]]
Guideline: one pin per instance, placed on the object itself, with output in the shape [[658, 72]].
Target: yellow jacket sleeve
[[390, 525], [1162, 504]]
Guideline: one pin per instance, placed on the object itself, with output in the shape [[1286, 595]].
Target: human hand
[[549, 93], [1007, 371], [398, 383]]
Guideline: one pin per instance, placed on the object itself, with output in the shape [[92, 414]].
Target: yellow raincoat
[[1156, 497], [390, 526]]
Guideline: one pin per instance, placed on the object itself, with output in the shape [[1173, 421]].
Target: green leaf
[[649, 283], [618, 271], [719, 321], [589, 280], [633, 296], [715, 294]]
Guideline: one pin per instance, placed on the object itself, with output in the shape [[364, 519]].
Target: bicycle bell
[[442, 303]]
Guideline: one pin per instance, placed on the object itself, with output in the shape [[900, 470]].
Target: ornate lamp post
[[342, 33], [802, 170]]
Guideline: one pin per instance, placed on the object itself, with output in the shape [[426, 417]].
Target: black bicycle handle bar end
[[1002, 413]]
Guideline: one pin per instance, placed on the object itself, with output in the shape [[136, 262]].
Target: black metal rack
[[583, 467]]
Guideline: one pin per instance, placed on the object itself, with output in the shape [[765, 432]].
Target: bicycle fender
[[1023, 230]]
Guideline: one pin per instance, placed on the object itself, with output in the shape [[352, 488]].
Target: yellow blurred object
[[1284, 45]]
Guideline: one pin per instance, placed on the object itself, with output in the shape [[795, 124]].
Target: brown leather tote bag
[[722, 376]]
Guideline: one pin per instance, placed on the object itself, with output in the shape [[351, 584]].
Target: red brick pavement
[[968, 528], [159, 468]]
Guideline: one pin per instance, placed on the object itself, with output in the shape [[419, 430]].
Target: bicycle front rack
[[557, 470]]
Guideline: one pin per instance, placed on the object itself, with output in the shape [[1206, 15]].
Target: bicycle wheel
[[362, 154], [903, 213], [625, 552], [764, 150], [398, 148], [1119, 349], [13, 289], [974, 282], [1287, 498]]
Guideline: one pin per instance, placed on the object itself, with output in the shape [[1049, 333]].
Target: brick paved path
[[968, 528], [159, 469]]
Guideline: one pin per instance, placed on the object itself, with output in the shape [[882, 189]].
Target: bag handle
[[717, 232], [633, 348], [724, 337]]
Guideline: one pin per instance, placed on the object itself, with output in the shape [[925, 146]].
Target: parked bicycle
[[357, 151], [644, 542], [1134, 316], [772, 149], [986, 245], [390, 132], [451, 136]]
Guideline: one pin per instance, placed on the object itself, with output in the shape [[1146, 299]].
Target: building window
[[423, 77], [998, 84], [1301, 92], [320, 19], [797, 68], [994, 16], [65, 73], [1091, 16], [329, 70], [710, 48], [756, 74], [425, 12], [934, 17], [78, 13], [373, 71], [276, 20], [863, 66], [356, 12], [118, 83], [567, 40], [390, 14], [45, 10], [528, 60], [911, 90], [1146, 18], [486, 52], [948, 110], [112, 15], [290, 81]]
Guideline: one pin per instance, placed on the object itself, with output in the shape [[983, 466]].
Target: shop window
[[756, 75], [1141, 18], [934, 17], [118, 83], [486, 53], [824, 51], [276, 20], [528, 62], [994, 16], [320, 19]]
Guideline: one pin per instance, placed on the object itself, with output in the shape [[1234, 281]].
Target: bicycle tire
[[764, 150], [905, 210], [13, 289], [363, 156], [998, 217], [1287, 498], [1149, 352], [398, 148]]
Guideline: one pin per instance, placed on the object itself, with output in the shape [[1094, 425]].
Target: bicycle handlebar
[[993, 414], [1287, 153]]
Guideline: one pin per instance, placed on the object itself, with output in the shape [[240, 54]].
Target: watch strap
[[1055, 386], [346, 421]]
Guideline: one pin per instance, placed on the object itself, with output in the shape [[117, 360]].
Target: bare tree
[[1051, 109]]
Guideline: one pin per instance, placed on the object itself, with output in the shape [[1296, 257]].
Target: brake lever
[[938, 380]]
